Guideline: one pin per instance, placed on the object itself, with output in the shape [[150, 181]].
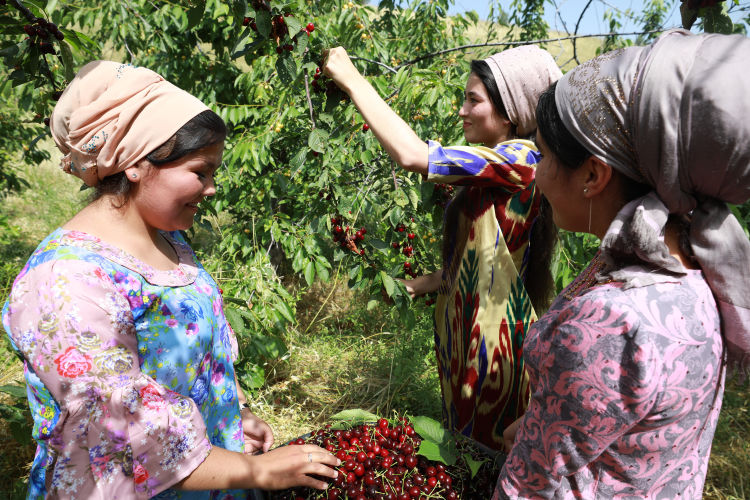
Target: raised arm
[[393, 133]]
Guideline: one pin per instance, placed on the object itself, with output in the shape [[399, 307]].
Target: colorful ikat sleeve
[[509, 165], [120, 434]]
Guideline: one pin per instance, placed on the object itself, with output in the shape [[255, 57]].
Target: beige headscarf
[[674, 115], [522, 74], [112, 115]]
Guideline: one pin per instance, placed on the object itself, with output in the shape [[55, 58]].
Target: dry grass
[[343, 357]]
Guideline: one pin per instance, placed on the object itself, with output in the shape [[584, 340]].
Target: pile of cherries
[[378, 461]]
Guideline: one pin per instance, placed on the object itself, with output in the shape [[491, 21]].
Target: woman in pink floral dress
[[127, 353], [642, 147]]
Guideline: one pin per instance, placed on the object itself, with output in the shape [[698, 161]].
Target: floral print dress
[[627, 387], [483, 312], [129, 369]]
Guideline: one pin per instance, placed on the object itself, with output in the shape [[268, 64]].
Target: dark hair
[[483, 71], [569, 152], [537, 269], [203, 130]]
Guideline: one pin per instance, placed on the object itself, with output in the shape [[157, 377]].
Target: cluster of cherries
[[41, 31], [377, 462], [279, 28], [407, 249], [445, 193], [345, 237]]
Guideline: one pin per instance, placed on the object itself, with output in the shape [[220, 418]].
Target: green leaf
[[286, 311], [388, 283], [430, 429], [354, 417], [318, 140], [195, 14], [310, 272], [379, 245], [286, 67], [263, 22], [322, 270], [16, 391], [294, 26], [235, 319], [474, 465], [67, 60], [432, 451]]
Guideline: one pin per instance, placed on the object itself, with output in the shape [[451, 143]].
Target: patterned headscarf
[[112, 115], [522, 74], [674, 115]]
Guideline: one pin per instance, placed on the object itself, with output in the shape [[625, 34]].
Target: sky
[[592, 21]]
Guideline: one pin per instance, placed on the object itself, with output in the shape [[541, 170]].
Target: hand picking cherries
[[380, 461]]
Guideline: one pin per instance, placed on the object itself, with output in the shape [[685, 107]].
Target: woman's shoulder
[[653, 304]]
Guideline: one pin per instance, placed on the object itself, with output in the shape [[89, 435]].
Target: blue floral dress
[[129, 369]]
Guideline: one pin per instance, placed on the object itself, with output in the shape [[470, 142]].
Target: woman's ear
[[136, 172], [597, 176]]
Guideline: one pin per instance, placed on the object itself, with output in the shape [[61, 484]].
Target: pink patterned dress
[[626, 392], [483, 312]]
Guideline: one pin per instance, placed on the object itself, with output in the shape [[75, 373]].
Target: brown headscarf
[[674, 115], [522, 74], [112, 115]]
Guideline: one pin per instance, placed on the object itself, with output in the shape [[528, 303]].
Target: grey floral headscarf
[[674, 115]]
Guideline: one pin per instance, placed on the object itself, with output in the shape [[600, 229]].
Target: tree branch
[[309, 100], [509, 44], [389, 68]]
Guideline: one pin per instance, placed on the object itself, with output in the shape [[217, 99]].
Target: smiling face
[[167, 197], [482, 123]]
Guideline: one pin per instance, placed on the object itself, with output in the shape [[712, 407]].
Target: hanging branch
[[575, 32], [309, 100]]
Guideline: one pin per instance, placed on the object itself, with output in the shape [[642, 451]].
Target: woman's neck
[[124, 228]]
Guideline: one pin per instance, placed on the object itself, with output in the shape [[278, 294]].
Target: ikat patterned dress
[[129, 370], [626, 392], [482, 312]]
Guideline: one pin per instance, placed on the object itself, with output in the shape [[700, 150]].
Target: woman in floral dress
[[487, 287], [642, 147], [128, 355]]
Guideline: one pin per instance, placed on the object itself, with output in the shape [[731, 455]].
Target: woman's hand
[[393, 133], [423, 284], [509, 434], [293, 465], [258, 434], [338, 66]]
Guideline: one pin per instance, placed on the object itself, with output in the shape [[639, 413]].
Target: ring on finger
[[309, 457]]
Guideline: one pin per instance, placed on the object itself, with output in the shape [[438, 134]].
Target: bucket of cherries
[[399, 459]]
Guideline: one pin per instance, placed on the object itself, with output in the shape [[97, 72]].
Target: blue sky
[[593, 20]]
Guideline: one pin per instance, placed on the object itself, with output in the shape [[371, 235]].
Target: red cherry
[[365, 127], [221, 291], [246, 21], [411, 236], [395, 244], [407, 265], [310, 27]]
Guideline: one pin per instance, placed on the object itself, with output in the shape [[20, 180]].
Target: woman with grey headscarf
[[642, 147]]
